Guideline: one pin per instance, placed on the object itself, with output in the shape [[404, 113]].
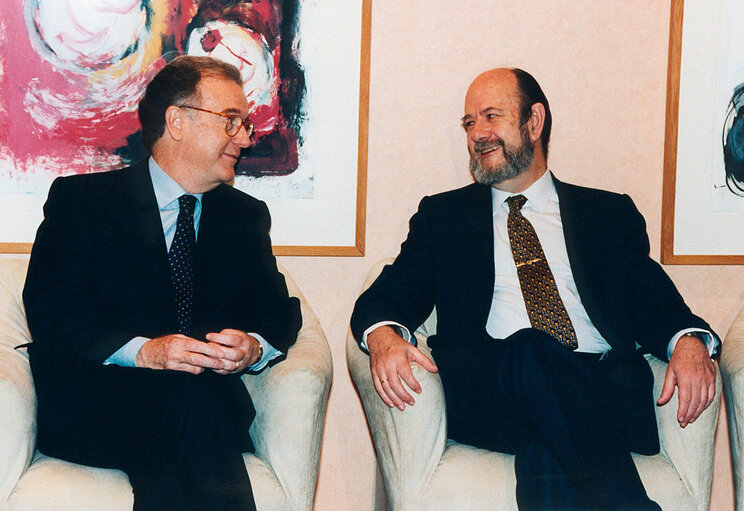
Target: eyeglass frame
[[245, 123]]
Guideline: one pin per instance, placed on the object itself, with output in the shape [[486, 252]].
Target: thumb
[[667, 391], [416, 356]]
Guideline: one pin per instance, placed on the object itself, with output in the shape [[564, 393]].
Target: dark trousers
[[570, 419], [178, 437]]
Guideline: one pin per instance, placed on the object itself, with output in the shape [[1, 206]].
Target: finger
[[205, 348], [407, 375], [391, 393], [199, 360], [187, 368], [423, 361], [693, 407], [706, 398], [230, 337], [381, 392], [226, 339], [232, 331], [386, 386], [399, 391], [683, 396], [667, 391], [233, 354]]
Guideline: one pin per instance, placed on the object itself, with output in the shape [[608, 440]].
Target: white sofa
[[290, 400], [423, 470], [732, 370]]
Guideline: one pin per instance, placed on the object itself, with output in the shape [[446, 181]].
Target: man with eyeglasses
[[150, 291]]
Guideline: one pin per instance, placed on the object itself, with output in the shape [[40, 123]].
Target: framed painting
[[72, 73], [703, 194]]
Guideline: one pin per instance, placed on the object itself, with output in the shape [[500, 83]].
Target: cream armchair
[[290, 400], [732, 370], [423, 470]]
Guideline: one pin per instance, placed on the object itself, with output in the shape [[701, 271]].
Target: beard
[[516, 161]]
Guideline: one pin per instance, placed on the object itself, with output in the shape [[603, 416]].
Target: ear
[[174, 123], [536, 122]]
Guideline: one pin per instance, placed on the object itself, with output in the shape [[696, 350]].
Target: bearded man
[[546, 300]]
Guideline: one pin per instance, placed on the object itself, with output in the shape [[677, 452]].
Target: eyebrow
[[467, 117]]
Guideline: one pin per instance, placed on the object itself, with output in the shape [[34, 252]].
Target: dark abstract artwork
[[733, 142], [73, 71]]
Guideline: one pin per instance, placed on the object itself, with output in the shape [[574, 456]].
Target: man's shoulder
[[99, 180], [234, 202], [592, 197], [458, 197], [587, 192], [231, 195]]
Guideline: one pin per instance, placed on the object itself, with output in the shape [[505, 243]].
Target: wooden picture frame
[[702, 222], [330, 219]]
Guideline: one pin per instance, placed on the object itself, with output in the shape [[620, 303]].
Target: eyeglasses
[[234, 121]]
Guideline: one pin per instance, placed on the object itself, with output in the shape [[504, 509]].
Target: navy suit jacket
[[447, 261], [99, 272]]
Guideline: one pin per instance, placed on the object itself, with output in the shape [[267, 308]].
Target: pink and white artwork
[[72, 73]]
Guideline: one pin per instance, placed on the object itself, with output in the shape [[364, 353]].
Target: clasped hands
[[227, 352], [690, 370]]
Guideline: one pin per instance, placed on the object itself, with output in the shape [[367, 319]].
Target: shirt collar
[[167, 191], [541, 195]]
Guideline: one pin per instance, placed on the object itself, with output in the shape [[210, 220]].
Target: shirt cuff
[[399, 329], [126, 355], [711, 340], [269, 353]]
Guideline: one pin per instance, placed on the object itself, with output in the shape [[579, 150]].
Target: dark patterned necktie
[[181, 257], [544, 305]]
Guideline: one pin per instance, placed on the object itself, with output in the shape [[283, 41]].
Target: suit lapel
[[581, 235], [146, 216], [478, 263], [150, 242], [576, 239]]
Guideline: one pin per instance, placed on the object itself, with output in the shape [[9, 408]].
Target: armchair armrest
[[732, 369], [290, 400], [689, 450], [410, 443], [18, 420]]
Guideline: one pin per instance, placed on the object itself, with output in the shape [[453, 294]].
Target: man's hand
[[390, 357], [240, 350], [180, 353], [694, 374]]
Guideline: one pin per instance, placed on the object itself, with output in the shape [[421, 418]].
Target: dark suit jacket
[[447, 262], [99, 272]]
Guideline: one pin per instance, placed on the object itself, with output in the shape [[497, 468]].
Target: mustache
[[479, 147]]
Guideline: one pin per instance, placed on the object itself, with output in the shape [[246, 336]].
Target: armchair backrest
[[13, 327]]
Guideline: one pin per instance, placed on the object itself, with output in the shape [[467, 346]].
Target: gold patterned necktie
[[544, 305], [181, 257]]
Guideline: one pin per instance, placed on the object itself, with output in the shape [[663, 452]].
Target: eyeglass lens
[[234, 122]]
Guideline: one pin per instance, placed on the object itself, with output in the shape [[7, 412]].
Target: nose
[[479, 131], [242, 139]]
